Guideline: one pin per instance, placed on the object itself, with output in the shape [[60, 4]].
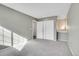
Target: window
[[1, 35], [7, 37], [10, 38]]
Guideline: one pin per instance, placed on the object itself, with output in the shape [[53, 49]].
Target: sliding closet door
[[49, 30], [40, 30], [46, 30]]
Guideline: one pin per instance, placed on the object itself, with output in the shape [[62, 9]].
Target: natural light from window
[[9, 38]]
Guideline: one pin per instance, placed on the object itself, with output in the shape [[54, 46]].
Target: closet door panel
[[40, 30], [49, 29]]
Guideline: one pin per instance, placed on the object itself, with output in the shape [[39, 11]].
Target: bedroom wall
[[73, 21], [16, 21]]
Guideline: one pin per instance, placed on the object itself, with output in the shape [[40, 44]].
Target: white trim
[[62, 40], [71, 50]]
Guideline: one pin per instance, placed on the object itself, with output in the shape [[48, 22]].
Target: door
[[46, 30], [40, 30], [49, 29]]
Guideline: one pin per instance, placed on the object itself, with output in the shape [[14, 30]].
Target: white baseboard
[[72, 51], [62, 40]]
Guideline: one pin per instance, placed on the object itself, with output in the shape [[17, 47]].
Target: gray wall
[[16, 21], [73, 18]]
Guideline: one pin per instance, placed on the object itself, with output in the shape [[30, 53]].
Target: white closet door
[[40, 30], [49, 29]]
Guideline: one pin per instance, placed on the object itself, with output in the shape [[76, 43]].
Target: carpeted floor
[[39, 48], [45, 48]]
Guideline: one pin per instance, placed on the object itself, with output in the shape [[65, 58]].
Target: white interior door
[[49, 29], [40, 30]]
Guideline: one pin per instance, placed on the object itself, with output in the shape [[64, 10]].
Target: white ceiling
[[40, 10]]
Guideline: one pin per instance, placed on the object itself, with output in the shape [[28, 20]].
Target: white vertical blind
[[45, 30], [7, 37], [1, 35]]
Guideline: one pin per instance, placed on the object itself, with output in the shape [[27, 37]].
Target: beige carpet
[[45, 48], [9, 51], [39, 48]]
